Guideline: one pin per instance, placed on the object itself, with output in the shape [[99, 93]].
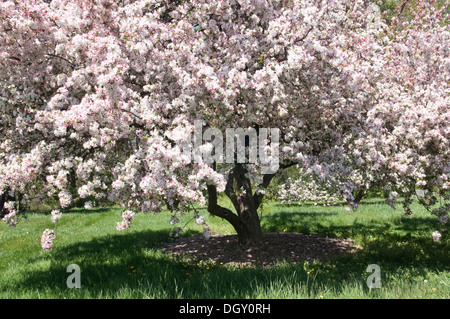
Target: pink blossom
[[56, 215], [47, 239], [11, 218]]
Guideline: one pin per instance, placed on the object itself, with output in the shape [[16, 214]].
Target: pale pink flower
[[47, 239], [436, 236], [56, 215]]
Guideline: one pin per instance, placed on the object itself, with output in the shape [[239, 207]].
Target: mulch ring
[[292, 247]]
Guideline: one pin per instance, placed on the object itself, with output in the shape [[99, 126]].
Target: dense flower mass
[[306, 189], [98, 99]]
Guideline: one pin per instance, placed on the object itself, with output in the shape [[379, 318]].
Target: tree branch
[[50, 55], [219, 211], [229, 189], [267, 178], [403, 6], [14, 58]]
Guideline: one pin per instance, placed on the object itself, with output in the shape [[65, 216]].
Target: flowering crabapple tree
[[406, 149], [108, 91]]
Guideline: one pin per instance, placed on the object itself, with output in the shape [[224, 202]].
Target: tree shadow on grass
[[108, 265], [76, 211], [300, 222], [132, 265], [404, 242], [366, 201], [311, 222]]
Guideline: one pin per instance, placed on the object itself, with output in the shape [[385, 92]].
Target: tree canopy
[[98, 97]]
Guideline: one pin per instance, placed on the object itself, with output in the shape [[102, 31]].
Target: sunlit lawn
[[130, 264]]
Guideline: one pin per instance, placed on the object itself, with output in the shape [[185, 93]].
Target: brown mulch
[[292, 247]]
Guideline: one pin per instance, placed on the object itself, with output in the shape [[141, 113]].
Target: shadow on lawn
[[77, 210], [133, 262], [368, 201], [403, 242], [310, 222], [300, 222]]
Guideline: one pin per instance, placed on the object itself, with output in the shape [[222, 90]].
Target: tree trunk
[[249, 228], [359, 195], [246, 220], [3, 198]]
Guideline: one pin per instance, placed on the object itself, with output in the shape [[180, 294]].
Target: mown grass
[[130, 264]]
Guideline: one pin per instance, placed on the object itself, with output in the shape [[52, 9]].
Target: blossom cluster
[[127, 217], [56, 215], [47, 239], [11, 217]]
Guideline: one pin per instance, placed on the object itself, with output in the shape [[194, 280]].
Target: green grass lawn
[[129, 264]]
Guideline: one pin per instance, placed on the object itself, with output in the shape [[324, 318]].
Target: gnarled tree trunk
[[246, 220]]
